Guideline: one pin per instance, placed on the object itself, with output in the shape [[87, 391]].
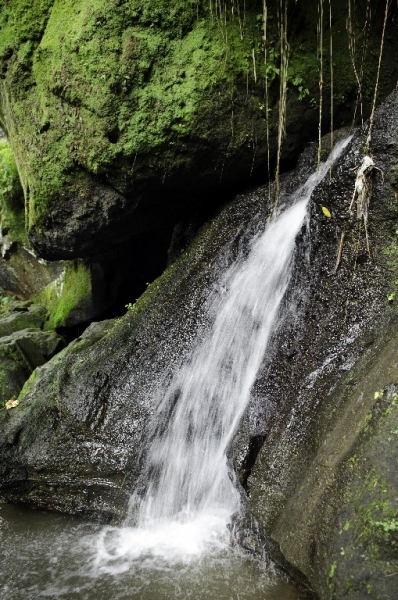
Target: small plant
[[298, 83], [4, 299], [132, 307], [388, 525]]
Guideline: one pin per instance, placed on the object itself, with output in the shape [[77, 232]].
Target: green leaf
[[326, 212]]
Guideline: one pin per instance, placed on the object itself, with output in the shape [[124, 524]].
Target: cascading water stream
[[207, 397], [191, 494], [180, 544]]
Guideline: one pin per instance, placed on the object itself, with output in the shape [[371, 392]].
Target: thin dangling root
[[340, 252]]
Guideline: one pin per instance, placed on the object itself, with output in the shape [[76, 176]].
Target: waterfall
[[191, 493], [207, 396], [199, 412]]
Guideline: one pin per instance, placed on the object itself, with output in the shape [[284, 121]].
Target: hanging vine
[[320, 59], [284, 63], [265, 24], [331, 78], [353, 53], [369, 137]]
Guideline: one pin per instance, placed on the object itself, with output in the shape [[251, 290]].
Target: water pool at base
[[45, 555]]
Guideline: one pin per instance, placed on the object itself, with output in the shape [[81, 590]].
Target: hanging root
[[371, 119], [363, 191], [340, 252], [331, 80], [284, 47], [363, 182], [320, 57], [265, 24]]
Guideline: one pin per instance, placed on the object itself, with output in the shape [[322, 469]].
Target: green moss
[[70, 292], [11, 197], [8, 170]]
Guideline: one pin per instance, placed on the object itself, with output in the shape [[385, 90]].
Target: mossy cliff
[[124, 116], [21, 273]]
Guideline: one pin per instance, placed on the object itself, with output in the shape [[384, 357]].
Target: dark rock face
[[77, 440], [89, 422], [126, 118]]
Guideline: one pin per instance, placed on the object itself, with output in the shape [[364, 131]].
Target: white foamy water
[[170, 542]]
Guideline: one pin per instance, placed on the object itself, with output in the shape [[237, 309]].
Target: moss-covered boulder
[[23, 344], [69, 299], [15, 315], [125, 116], [20, 354]]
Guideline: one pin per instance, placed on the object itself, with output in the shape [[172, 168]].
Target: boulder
[[322, 484], [16, 315], [20, 354]]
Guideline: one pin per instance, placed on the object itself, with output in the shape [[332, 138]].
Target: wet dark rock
[[311, 486], [246, 532]]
